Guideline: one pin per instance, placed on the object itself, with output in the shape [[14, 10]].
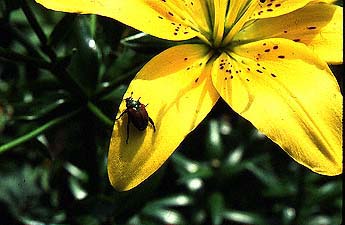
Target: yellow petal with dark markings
[[268, 8], [288, 94], [177, 87], [318, 25], [152, 17]]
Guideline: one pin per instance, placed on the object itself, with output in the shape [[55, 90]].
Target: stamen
[[247, 12], [219, 21]]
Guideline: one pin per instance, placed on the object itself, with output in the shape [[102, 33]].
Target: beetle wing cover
[[139, 118]]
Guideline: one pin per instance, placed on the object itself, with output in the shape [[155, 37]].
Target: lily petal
[[266, 8], [177, 87], [151, 17], [318, 25], [290, 95]]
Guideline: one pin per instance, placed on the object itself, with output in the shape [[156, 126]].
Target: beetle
[[137, 114]]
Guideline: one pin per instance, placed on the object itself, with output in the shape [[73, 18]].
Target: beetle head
[[131, 103]]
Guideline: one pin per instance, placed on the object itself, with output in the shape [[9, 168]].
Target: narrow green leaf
[[216, 207], [61, 29]]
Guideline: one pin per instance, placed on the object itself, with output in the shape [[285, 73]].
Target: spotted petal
[[273, 8], [288, 94], [152, 17], [318, 25], [178, 89]]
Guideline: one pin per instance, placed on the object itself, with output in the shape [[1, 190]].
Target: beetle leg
[[153, 124], [127, 130], [121, 114]]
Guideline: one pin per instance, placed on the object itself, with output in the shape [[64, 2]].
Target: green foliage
[[62, 77]]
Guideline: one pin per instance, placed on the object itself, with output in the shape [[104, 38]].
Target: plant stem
[[38, 30], [34, 133], [16, 57], [99, 114], [23, 40], [57, 70]]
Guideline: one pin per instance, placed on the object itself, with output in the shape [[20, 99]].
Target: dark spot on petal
[[171, 14], [185, 59], [231, 77], [278, 5], [267, 50], [296, 40], [273, 75], [196, 80], [262, 1], [269, 10], [259, 71], [275, 47], [311, 28], [160, 17], [281, 56], [247, 79], [225, 78], [285, 31]]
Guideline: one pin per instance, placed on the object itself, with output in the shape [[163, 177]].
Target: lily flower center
[[215, 21]]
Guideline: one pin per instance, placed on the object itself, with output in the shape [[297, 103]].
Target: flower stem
[[34, 133]]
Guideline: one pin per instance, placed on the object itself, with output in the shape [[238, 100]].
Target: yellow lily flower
[[267, 59]]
